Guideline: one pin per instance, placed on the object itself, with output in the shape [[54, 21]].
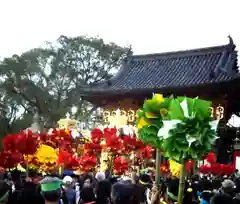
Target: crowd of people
[[128, 189]]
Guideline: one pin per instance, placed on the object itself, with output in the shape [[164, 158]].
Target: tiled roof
[[174, 69]]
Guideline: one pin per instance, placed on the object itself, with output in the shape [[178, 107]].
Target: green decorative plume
[[188, 130], [149, 119]]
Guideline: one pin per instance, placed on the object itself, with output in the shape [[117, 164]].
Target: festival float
[[67, 148]]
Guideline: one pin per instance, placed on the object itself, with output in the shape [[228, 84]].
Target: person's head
[[67, 181], [88, 179], [30, 194], [122, 193], [103, 190], [87, 194], [87, 183], [228, 186], [145, 180], [100, 176], [51, 189], [205, 197], [4, 192], [75, 178], [221, 198]]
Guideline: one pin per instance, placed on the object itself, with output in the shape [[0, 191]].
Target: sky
[[150, 26]]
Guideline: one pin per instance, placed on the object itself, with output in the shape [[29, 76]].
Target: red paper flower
[[110, 133], [211, 158], [132, 143], [205, 169], [43, 136], [68, 160], [120, 165], [164, 168], [9, 159], [25, 143], [219, 169], [146, 152], [64, 157], [93, 148], [114, 144], [88, 163], [61, 139], [73, 164], [96, 135]]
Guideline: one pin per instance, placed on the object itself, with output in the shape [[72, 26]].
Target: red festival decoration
[[88, 163], [96, 136], [146, 152], [211, 158], [120, 165], [25, 143], [190, 165], [164, 168], [9, 159], [218, 169]]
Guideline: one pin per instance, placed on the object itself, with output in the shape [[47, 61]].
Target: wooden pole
[[158, 161], [181, 182]]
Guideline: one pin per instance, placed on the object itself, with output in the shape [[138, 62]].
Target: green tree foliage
[[49, 80]]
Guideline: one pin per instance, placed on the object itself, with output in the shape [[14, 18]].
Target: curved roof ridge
[[182, 53], [133, 63]]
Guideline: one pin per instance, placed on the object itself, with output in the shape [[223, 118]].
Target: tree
[[49, 80]]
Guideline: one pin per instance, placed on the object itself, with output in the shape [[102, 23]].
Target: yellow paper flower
[[46, 154], [158, 97], [175, 168], [142, 123]]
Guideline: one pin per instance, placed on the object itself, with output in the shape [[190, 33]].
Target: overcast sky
[[148, 25]]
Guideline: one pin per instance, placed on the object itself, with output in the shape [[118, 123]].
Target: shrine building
[[210, 73]]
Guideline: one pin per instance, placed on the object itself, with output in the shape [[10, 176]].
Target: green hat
[[50, 184]]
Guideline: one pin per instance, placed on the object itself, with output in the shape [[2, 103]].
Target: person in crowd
[[77, 187], [221, 198], [189, 197], [143, 188], [4, 192], [123, 193], [205, 196], [172, 190], [236, 199], [69, 190], [100, 176], [87, 195], [51, 190], [155, 195], [103, 192], [29, 194], [228, 187], [88, 181]]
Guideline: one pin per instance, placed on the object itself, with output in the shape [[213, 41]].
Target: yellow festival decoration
[[217, 112], [175, 168], [104, 159], [46, 154], [119, 117], [67, 123]]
